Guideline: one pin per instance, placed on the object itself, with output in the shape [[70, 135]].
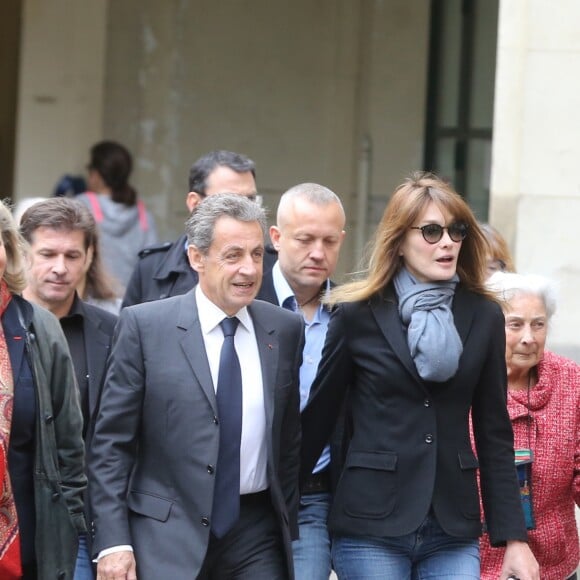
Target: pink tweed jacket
[[555, 439]]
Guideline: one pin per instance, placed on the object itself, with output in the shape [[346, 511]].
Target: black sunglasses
[[432, 233]]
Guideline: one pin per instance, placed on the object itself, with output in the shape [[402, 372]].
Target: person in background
[[69, 185], [308, 236], [22, 205], [544, 408], [163, 270], [193, 469], [61, 234], [419, 342], [499, 258], [42, 454], [126, 225], [97, 286]]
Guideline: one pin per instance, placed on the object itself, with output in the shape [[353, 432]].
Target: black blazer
[[98, 328], [411, 449]]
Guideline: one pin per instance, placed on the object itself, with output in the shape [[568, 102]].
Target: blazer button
[[428, 438], [427, 402], [210, 469], [55, 496], [215, 419], [205, 521]]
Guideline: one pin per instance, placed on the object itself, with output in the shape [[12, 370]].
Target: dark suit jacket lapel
[[267, 291], [269, 351], [193, 347], [97, 345], [386, 313], [463, 312]]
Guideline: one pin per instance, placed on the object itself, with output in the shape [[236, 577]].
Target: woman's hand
[[519, 562]]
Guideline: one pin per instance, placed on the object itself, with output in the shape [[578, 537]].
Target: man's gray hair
[[507, 285], [311, 192], [200, 227]]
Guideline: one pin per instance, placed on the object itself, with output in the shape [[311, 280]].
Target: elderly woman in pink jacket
[[544, 407]]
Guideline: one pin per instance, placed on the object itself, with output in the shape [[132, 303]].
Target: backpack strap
[[142, 215], [95, 206], [98, 212]]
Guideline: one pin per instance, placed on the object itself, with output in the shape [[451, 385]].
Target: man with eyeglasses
[[163, 270]]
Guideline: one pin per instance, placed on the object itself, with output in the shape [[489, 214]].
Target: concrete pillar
[[535, 188], [60, 103]]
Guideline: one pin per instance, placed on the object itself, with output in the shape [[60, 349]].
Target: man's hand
[[519, 562], [117, 566]]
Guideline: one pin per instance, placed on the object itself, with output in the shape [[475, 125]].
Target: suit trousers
[[252, 549]]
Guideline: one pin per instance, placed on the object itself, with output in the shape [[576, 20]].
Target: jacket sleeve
[[494, 439], [575, 383], [67, 417], [134, 290], [327, 393], [290, 442], [114, 442]]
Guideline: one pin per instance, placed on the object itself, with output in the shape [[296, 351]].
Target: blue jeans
[[312, 550], [84, 566], [426, 554]]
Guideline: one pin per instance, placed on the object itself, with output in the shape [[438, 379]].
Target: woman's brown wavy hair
[[405, 207]]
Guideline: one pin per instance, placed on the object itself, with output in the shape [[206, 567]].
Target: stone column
[[535, 185], [60, 102]]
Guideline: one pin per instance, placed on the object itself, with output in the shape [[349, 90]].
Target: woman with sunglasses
[[417, 344]]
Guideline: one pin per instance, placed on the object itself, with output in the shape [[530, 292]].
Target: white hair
[[506, 285]]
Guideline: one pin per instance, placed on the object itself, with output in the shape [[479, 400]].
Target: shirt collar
[[283, 289], [75, 308], [281, 286], [211, 315]]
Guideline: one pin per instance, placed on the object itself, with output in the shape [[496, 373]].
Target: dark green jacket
[[59, 473]]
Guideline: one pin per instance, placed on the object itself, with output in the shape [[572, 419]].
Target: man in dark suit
[[157, 466], [61, 234], [163, 270], [308, 236]]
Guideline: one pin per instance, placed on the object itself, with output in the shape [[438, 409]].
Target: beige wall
[[60, 90], [293, 85], [296, 86], [535, 184]]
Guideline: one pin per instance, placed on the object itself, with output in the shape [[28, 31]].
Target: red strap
[[98, 212], [95, 206], [142, 215]]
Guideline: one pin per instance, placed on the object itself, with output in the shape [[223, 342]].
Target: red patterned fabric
[[10, 565], [555, 440]]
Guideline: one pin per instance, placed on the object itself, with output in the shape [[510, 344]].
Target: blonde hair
[[406, 205], [498, 247], [16, 251]]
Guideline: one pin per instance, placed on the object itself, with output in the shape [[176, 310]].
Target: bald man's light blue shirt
[[315, 335]]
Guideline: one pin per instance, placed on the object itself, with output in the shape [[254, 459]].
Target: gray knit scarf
[[425, 309]]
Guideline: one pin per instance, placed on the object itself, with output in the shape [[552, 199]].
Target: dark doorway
[[10, 27], [460, 96]]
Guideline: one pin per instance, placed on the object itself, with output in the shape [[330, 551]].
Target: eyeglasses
[[432, 233]]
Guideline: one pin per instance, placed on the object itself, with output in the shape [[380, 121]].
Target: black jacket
[[411, 448], [34, 337], [98, 328]]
